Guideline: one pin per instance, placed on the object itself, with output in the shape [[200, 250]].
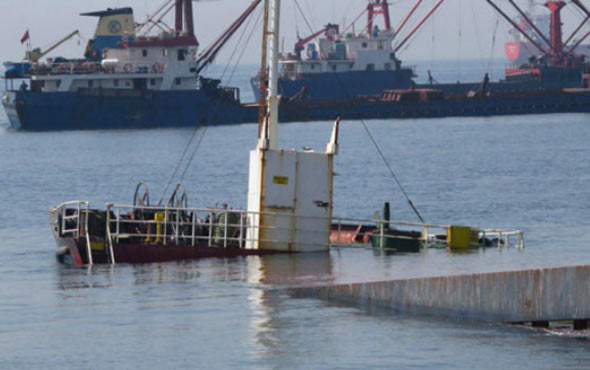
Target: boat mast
[[556, 38], [273, 77], [262, 108]]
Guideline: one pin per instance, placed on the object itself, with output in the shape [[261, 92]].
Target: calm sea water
[[528, 172]]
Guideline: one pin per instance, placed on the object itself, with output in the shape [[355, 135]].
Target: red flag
[[25, 37]]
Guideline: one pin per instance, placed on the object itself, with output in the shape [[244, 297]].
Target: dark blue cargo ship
[[125, 81], [132, 81]]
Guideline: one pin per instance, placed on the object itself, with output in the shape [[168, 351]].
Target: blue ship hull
[[74, 111], [116, 109], [576, 101], [341, 85]]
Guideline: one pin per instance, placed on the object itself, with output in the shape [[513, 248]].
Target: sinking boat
[[289, 207]]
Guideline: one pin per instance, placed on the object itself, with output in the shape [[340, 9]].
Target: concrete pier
[[538, 295]]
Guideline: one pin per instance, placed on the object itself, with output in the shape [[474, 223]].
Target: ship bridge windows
[[181, 54]]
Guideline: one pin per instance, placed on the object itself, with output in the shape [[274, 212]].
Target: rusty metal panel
[[547, 294]]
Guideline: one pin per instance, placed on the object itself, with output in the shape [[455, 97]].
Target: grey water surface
[[528, 172]]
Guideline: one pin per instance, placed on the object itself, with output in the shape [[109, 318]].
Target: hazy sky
[[461, 29]]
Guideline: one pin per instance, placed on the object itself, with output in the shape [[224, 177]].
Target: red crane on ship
[[554, 49]]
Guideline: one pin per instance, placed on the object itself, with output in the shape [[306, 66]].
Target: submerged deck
[[141, 234]]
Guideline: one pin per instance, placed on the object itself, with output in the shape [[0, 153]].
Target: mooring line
[[345, 90]]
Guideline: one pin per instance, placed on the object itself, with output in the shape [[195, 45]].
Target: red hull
[[151, 253]]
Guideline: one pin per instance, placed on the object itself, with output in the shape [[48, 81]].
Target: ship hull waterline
[[72, 251], [52, 112]]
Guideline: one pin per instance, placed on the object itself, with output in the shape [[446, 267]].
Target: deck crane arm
[[207, 56], [585, 11], [36, 54], [516, 26], [300, 45]]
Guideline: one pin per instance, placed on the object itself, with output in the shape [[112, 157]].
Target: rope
[[178, 164], [256, 24], [493, 42], [204, 130], [481, 55], [389, 167], [236, 48], [460, 30], [310, 14], [304, 17], [392, 172]]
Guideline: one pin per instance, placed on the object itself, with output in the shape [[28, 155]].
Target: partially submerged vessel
[[289, 207]]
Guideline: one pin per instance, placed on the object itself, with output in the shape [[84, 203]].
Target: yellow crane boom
[[36, 54]]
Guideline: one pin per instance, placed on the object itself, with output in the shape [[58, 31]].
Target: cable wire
[[389, 167], [204, 130]]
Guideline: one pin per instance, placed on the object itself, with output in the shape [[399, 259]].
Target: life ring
[[127, 68], [157, 67]]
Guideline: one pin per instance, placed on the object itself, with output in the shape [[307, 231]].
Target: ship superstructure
[[126, 79], [339, 64]]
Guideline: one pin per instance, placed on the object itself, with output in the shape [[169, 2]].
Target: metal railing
[[228, 228], [71, 68], [209, 227], [73, 218], [363, 231]]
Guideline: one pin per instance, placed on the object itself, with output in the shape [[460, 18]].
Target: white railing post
[[109, 237], [177, 233], [77, 218], [241, 230], [211, 216], [381, 233], [193, 235], [118, 228], [225, 222], [165, 224]]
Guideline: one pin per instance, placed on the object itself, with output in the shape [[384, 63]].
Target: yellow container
[[159, 217], [462, 237]]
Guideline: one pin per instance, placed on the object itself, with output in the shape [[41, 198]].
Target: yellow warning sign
[[280, 180]]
